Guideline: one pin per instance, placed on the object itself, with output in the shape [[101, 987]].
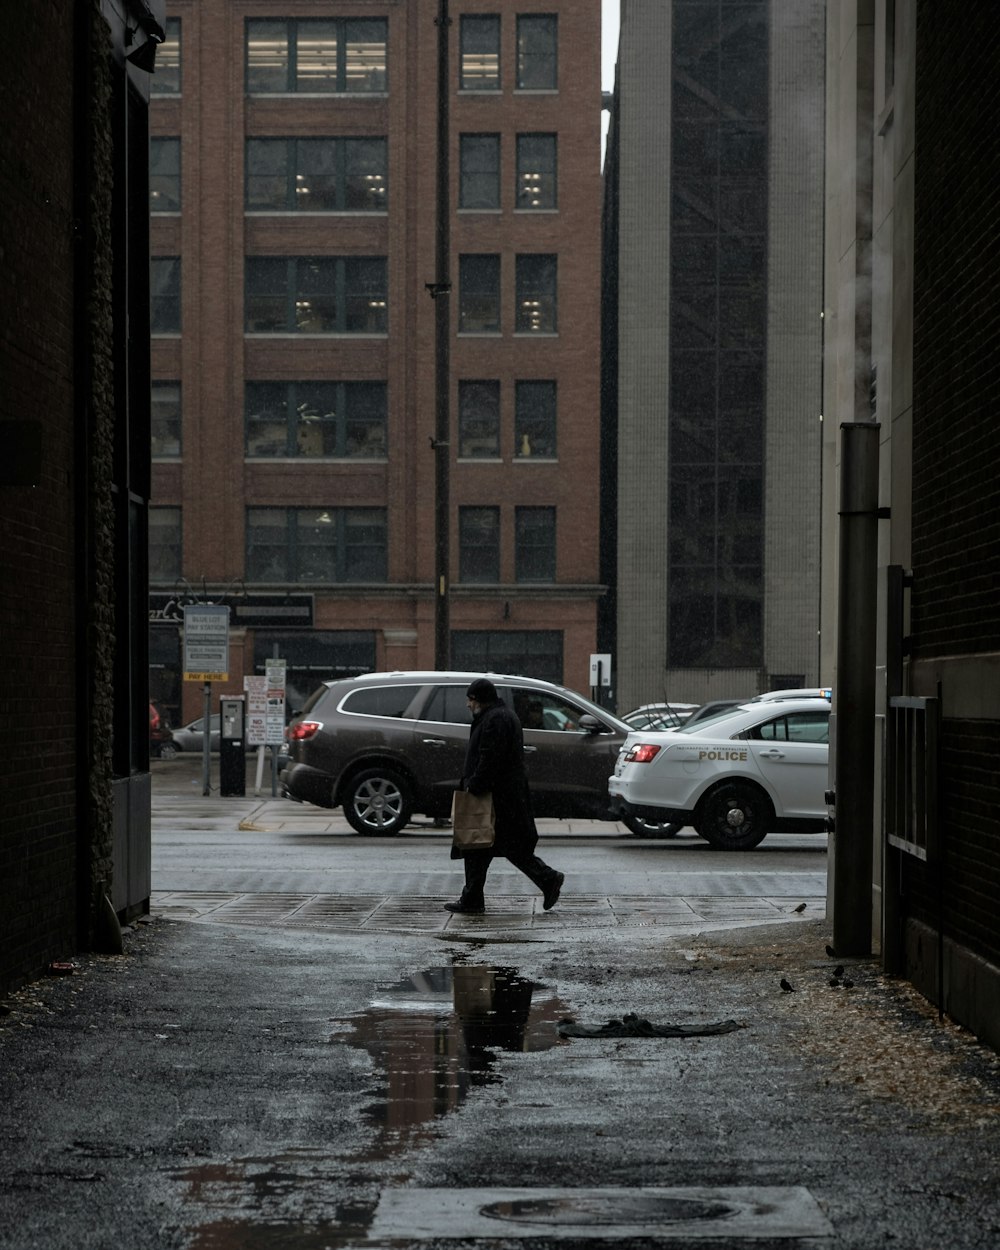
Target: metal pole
[[440, 291], [206, 740], [854, 692]]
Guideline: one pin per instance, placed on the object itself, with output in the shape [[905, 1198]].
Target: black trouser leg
[[537, 870], [477, 865]]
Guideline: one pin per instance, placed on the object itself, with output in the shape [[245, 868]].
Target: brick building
[[74, 427], [713, 349], [293, 234], [913, 315]]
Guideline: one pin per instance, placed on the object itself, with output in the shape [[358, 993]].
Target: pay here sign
[[206, 642]]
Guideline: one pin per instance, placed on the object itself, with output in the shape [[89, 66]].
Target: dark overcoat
[[494, 762]]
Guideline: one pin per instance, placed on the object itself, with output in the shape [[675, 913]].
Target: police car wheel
[[735, 818], [643, 828]]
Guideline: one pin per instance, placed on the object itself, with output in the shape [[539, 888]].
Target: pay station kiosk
[[232, 748]]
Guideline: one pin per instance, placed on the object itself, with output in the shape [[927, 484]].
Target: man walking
[[494, 763]]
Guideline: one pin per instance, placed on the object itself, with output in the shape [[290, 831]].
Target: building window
[[479, 420], [536, 171], [535, 419], [165, 295], [165, 419], [479, 294], [479, 545], [167, 79], [535, 544], [316, 295], [164, 544], [532, 652], [164, 175], [479, 53], [479, 177], [535, 281], [316, 419], [316, 55], [537, 38], [323, 545], [316, 175]]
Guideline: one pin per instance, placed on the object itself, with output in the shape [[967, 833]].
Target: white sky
[[609, 42]]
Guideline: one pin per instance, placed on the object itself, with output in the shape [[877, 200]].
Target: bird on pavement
[[786, 985]]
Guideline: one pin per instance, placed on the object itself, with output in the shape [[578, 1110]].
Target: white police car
[[753, 769]]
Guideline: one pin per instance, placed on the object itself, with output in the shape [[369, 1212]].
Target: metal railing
[[911, 781]]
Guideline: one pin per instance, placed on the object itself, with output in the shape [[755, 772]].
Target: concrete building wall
[[791, 525]]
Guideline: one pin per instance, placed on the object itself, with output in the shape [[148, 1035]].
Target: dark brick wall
[[956, 440], [962, 886], [38, 639], [57, 166], [956, 385]]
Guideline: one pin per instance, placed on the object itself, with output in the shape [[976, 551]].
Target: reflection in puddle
[[436, 1035], [432, 1037]]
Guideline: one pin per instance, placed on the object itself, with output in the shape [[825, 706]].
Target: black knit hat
[[482, 690]]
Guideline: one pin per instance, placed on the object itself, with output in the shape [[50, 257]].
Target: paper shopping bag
[[472, 819]]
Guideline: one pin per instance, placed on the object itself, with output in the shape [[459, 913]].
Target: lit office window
[[535, 419], [535, 294], [316, 175], [478, 294], [316, 295], [338, 420], [535, 544], [316, 56], [536, 171], [321, 545], [164, 175], [165, 295], [479, 420], [166, 79], [479, 174], [165, 419], [479, 545], [479, 53], [537, 38]]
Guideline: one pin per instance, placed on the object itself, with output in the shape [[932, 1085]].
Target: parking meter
[[232, 748]]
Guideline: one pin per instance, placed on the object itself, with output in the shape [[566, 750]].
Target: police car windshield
[[698, 726]]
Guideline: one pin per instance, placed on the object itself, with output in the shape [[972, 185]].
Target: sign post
[[206, 659], [275, 673]]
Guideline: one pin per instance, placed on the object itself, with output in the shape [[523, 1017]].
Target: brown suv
[[387, 745]]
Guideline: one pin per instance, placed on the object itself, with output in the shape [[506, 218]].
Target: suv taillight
[[303, 730], [643, 753]]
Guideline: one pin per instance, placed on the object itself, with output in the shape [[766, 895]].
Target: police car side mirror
[[591, 725]]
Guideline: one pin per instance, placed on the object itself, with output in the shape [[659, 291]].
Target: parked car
[[191, 737], [659, 715], [161, 745], [759, 768], [387, 745]]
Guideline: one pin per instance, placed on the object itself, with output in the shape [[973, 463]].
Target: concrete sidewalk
[[231, 1085]]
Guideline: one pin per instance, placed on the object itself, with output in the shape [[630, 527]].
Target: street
[[300, 1049]]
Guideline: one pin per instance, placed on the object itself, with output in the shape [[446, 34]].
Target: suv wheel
[[735, 818], [378, 802]]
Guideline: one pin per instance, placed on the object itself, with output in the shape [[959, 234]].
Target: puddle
[[435, 1036]]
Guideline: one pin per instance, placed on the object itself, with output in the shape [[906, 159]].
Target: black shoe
[[466, 908], [551, 895]]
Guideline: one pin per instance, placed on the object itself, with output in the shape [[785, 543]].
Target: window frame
[[466, 24], [531, 292], [468, 294], [171, 178], [339, 280], [487, 177], [526, 422], [340, 519], [165, 295], [534, 561], [346, 396], [487, 415], [473, 554], [549, 176], [168, 62], [535, 58], [343, 146], [161, 387], [294, 27], [172, 545]]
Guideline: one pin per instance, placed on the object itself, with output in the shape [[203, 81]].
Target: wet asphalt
[[257, 1086]]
